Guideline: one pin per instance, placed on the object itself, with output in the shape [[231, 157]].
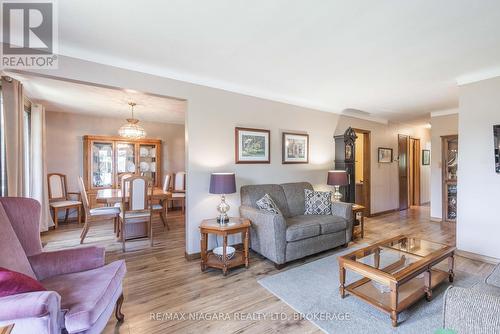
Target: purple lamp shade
[[222, 183], [337, 178]]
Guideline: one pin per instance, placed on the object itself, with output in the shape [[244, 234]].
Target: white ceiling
[[394, 59], [65, 96]]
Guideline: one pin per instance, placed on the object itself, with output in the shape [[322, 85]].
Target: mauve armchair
[[82, 291]]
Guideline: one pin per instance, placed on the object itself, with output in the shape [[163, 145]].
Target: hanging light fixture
[[132, 129]]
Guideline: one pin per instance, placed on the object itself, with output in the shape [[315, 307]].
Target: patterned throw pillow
[[318, 202], [266, 203]]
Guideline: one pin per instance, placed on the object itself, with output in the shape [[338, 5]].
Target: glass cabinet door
[[102, 164], [125, 158], [147, 161], [452, 159]]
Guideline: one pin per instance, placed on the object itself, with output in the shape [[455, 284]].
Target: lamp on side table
[[223, 184]]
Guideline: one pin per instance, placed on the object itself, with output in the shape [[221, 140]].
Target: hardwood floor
[[159, 279]]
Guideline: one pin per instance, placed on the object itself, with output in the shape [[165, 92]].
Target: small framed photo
[[295, 148], [384, 155], [252, 146], [426, 157]]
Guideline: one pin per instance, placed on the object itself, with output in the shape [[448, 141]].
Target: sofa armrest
[[470, 311], [344, 210], [268, 233], [30, 305], [48, 264]]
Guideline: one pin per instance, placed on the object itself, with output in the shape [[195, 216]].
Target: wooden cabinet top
[[118, 138]]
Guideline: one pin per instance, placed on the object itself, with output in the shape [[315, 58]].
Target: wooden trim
[[367, 167], [283, 151], [380, 213], [121, 139], [236, 146], [478, 257]]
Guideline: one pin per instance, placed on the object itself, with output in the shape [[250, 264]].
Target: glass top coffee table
[[396, 272]]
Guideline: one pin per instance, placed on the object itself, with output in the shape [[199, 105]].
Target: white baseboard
[[474, 256], [436, 219]]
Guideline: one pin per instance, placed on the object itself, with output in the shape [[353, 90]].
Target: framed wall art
[[295, 148], [252, 146], [384, 155]]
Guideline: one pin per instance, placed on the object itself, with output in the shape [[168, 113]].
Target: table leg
[[451, 265], [377, 258], [342, 280], [362, 224], [427, 285], [394, 304], [203, 252], [245, 248], [224, 257]]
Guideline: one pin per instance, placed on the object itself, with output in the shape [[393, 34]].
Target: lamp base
[[223, 220], [337, 195], [223, 208]]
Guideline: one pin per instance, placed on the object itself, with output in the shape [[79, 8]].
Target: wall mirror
[[496, 135]]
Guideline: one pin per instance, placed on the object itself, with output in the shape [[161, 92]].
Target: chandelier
[[132, 130]]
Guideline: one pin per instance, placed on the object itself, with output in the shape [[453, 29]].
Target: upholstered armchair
[[475, 309], [82, 291]]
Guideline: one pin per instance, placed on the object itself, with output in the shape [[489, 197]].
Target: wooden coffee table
[[396, 272]]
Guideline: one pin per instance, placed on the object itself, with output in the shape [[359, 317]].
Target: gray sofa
[[475, 309], [293, 235]]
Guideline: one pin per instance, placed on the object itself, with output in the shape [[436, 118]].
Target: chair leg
[[118, 309], [56, 218], [79, 215], [122, 229], [66, 214], [151, 230], [84, 231]]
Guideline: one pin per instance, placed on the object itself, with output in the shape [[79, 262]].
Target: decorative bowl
[[229, 252]]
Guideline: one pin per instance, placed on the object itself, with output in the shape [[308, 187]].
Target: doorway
[[409, 171], [362, 169]]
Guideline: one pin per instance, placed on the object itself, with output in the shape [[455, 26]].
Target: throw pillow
[[318, 202], [266, 203], [13, 283]]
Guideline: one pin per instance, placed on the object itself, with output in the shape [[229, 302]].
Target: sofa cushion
[[294, 193], [301, 227], [12, 255], [318, 202], [332, 224], [266, 203], [252, 193], [85, 295]]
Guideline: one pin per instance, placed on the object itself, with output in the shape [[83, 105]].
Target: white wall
[[441, 126], [384, 192], [212, 115], [65, 133], [478, 224]]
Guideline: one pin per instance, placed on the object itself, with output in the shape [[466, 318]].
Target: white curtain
[[39, 189], [15, 162]]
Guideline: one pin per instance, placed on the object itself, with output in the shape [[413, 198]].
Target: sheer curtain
[[15, 159], [39, 189]]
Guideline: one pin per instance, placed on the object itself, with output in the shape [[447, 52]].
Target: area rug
[[312, 291]]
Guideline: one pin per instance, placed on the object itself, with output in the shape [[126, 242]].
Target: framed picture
[[295, 148], [252, 146], [426, 157], [384, 155]]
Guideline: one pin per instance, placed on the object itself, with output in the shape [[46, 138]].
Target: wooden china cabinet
[[106, 157]]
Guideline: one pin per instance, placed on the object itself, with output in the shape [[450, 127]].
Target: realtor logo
[[29, 34]]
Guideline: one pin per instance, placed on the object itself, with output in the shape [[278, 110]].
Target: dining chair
[[160, 208], [122, 176], [135, 208], [95, 214], [60, 198], [179, 189]]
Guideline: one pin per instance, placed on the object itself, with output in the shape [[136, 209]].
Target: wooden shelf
[[408, 292], [236, 261]]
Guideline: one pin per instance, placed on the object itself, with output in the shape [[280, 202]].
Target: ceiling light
[[132, 130]]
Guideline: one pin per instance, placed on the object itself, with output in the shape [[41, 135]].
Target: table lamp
[[337, 178], [222, 183]]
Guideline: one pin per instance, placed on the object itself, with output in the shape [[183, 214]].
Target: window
[[27, 149]]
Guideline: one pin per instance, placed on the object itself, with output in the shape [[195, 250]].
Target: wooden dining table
[[114, 195]]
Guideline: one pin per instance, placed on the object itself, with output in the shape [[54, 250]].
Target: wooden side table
[[359, 209], [234, 226]]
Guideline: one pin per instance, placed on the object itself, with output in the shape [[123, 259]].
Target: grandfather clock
[[344, 160]]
